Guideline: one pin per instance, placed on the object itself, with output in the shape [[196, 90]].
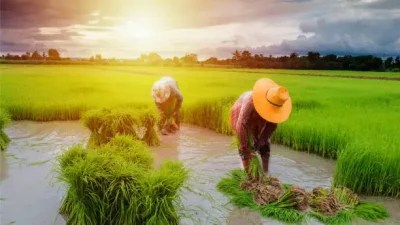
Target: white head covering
[[161, 89]]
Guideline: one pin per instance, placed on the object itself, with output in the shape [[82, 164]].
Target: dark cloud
[[356, 37]]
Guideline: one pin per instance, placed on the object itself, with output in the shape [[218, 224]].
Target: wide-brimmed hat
[[271, 101], [161, 91]]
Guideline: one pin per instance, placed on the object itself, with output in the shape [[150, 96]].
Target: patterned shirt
[[245, 121], [175, 96]]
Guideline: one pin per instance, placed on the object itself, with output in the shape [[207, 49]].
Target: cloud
[[353, 37], [206, 27], [174, 13], [384, 4]]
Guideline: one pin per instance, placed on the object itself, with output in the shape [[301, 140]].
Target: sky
[[127, 28]]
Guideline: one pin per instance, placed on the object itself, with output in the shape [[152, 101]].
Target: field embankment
[[352, 120]]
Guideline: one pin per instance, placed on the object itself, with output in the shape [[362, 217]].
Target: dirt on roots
[[266, 190]]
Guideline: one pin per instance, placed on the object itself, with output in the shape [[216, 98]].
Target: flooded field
[[29, 196]]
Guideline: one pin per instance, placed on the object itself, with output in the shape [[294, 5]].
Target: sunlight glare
[[138, 29]]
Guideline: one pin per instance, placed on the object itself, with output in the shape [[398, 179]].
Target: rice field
[[355, 121]]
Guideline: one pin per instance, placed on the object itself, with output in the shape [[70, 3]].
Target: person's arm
[[243, 136], [179, 100]]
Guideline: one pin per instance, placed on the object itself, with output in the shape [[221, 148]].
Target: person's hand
[[252, 155]]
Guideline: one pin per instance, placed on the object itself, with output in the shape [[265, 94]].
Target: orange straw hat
[[271, 101]]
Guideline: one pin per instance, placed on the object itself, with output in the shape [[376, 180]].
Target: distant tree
[[53, 54], [236, 55], [330, 58], [389, 62], [313, 56], [294, 55], [143, 58], [8, 56], [16, 57], [190, 58], [25, 57], [36, 55], [397, 61], [44, 55], [98, 57], [246, 55], [154, 58], [91, 59], [212, 60]]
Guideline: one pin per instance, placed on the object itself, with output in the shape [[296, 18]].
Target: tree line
[[244, 59]]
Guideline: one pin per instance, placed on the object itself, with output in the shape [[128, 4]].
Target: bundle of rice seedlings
[[265, 190], [255, 170], [148, 119], [4, 120], [105, 124], [116, 183], [325, 202], [231, 186], [347, 197], [295, 197]]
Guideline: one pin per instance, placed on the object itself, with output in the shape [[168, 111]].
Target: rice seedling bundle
[[116, 183], [4, 120], [292, 204], [105, 124]]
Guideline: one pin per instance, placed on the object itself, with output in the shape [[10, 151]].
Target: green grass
[[352, 120], [284, 210], [4, 120], [117, 183]]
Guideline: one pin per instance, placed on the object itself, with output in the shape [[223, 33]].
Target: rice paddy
[[351, 120], [4, 120]]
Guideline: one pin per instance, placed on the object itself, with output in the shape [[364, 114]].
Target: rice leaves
[[4, 120], [105, 124], [371, 211], [292, 206], [116, 183]]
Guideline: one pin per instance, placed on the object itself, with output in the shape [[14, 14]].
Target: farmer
[[168, 100], [254, 117]]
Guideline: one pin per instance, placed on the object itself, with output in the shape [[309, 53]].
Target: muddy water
[[29, 196]]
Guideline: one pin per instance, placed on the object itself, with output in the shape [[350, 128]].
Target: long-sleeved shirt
[[245, 121], [175, 97]]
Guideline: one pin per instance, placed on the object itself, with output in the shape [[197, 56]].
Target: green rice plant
[[343, 217], [116, 183], [255, 170], [213, 114], [366, 169], [4, 120], [371, 211], [105, 124]]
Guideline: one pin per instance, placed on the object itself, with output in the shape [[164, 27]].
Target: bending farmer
[[168, 100], [254, 117]]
